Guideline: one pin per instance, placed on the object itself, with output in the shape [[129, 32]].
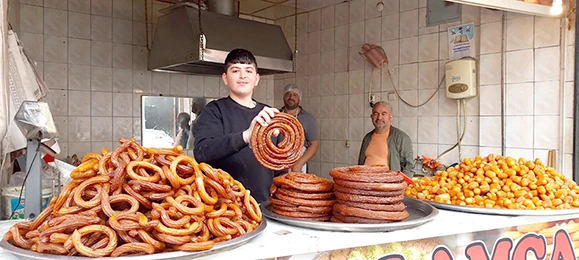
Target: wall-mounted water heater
[[460, 78]]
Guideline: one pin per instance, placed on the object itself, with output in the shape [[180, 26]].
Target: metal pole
[[33, 185], [503, 87], [576, 102]]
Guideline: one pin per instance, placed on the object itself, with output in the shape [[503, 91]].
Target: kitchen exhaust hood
[[177, 45]]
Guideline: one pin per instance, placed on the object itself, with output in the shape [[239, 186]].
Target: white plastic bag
[[65, 170], [23, 84], [4, 112]]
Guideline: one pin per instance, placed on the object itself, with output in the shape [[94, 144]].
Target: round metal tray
[[504, 212], [420, 213], [219, 247]]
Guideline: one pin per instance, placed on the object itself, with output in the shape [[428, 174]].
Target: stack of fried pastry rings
[[302, 196], [286, 153], [368, 194], [137, 200]]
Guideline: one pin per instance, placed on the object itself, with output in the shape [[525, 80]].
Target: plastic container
[[10, 196]]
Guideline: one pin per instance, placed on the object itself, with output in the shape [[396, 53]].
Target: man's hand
[[263, 118], [178, 136], [297, 167]]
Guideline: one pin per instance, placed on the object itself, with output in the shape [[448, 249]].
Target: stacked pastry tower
[[368, 194], [302, 196]]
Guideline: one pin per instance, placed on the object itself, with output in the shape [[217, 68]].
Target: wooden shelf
[[511, 6]]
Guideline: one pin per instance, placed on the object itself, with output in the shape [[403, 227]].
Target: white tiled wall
[[93, 57], [417, 55]]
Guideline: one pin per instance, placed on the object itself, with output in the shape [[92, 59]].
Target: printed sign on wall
[[461, 41]]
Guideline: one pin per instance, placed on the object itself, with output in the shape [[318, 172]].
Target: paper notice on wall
[[461, 41]]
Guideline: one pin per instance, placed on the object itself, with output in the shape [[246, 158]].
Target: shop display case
[[452, 234]]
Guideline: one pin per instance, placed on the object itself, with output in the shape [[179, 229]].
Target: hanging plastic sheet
[[35, 120], [4, 114], [24, 84]]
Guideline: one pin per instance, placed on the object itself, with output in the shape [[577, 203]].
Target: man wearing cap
[[291, 100]]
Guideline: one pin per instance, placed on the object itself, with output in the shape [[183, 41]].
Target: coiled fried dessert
[[137, 200], [285, 154], [368, 194], [302, 196]]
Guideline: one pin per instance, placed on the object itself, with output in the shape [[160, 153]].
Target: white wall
[[336, 80], [93, 56]]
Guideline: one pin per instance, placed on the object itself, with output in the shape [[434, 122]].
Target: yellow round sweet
[[499, 182]]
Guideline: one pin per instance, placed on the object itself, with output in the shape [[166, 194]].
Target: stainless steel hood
[[177, 47]]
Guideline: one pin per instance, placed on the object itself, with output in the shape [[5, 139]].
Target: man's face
[[381, 116], [241, 78], [196, 108], [291, 100], [183, 124]]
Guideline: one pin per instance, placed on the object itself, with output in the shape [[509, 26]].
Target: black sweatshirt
[[219, 142]]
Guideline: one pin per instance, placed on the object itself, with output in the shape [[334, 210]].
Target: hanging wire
[[24, 182], [347, 128], [463, 103], [296, 36], [147, 26], [199, 12], [458, 122], [201, 34], [408, 103]]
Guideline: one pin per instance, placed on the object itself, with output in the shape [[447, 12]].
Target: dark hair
[[239, 56], [183, 116]]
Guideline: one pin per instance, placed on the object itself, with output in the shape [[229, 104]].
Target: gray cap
[[294, 88]]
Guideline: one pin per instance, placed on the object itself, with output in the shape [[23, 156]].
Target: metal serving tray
[[420, 213], [504, 212], [219, 247]]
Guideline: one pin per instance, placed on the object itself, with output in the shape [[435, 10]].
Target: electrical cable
[[201, 33], [295, 61], [370, 90], [5, 157], [458, 106], [24, 182], [372, 80], [347, 127], [406, 102], [147, 27], [463, 101]]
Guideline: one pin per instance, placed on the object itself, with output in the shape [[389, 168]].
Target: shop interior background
[[93, 57]]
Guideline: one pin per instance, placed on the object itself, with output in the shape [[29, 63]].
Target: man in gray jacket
[[387, 145]]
